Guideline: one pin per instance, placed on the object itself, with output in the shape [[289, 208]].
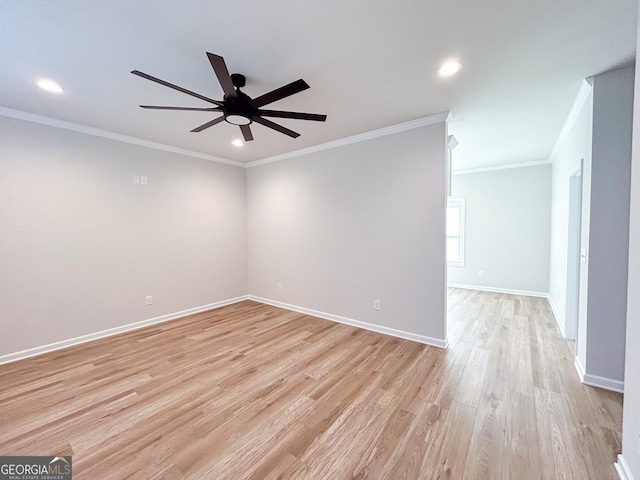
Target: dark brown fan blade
[[275, 126], [220, 67], [246, 133], [208, 124], [296, 115], [280, 93], [158, 107], [175, 87]]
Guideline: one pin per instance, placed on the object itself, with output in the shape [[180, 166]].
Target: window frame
[[458, 202]]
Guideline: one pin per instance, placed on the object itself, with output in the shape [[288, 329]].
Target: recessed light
[[448, 68], [237, 142], [49, 86]]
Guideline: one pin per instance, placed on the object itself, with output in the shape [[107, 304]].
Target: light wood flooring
[[250, 391]]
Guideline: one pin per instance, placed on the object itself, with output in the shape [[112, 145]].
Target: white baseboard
[[356, 323], [12, 357], [623, 469], [556, 315], [597, 381], [603, 382], [511, 291]]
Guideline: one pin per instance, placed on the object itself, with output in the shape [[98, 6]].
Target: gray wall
[[609, 223], [631, 416], [507, 228], [342, 227], [81, 245]]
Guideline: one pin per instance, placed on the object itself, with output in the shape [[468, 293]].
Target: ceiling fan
[[237, 107]]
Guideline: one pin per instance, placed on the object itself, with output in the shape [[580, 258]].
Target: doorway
[[573, 253]]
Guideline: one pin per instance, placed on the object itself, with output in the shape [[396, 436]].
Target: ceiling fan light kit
[[235, 119], [237, 107]]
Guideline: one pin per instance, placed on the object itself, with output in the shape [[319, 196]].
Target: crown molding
[[400, 127], [97, 132], [583, 93], [76, 127], [503, 166]]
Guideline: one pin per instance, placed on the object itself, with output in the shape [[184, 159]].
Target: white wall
[[507, 228], [342, 227], [631, 416], [81, 245]]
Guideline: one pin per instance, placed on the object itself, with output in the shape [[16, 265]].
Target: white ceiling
[[370, 64]]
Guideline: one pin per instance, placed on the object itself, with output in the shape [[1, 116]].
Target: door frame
[[574, 226]]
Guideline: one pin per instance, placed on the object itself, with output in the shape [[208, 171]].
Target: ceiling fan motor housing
[[239, 106], [238, 80]]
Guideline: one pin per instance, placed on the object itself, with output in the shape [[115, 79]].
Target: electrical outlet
[[148, 300], [143, 180], [279, 286], [376, 304], [481, 273], [136, 179]]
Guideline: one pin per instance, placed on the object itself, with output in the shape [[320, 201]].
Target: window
[[455, 232]]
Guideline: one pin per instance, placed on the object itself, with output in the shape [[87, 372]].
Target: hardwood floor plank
[[486, 449], [521, 449], [451, 446], [444, 385], [470, 384], [520, 369], [412, 450], [395, 428]]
